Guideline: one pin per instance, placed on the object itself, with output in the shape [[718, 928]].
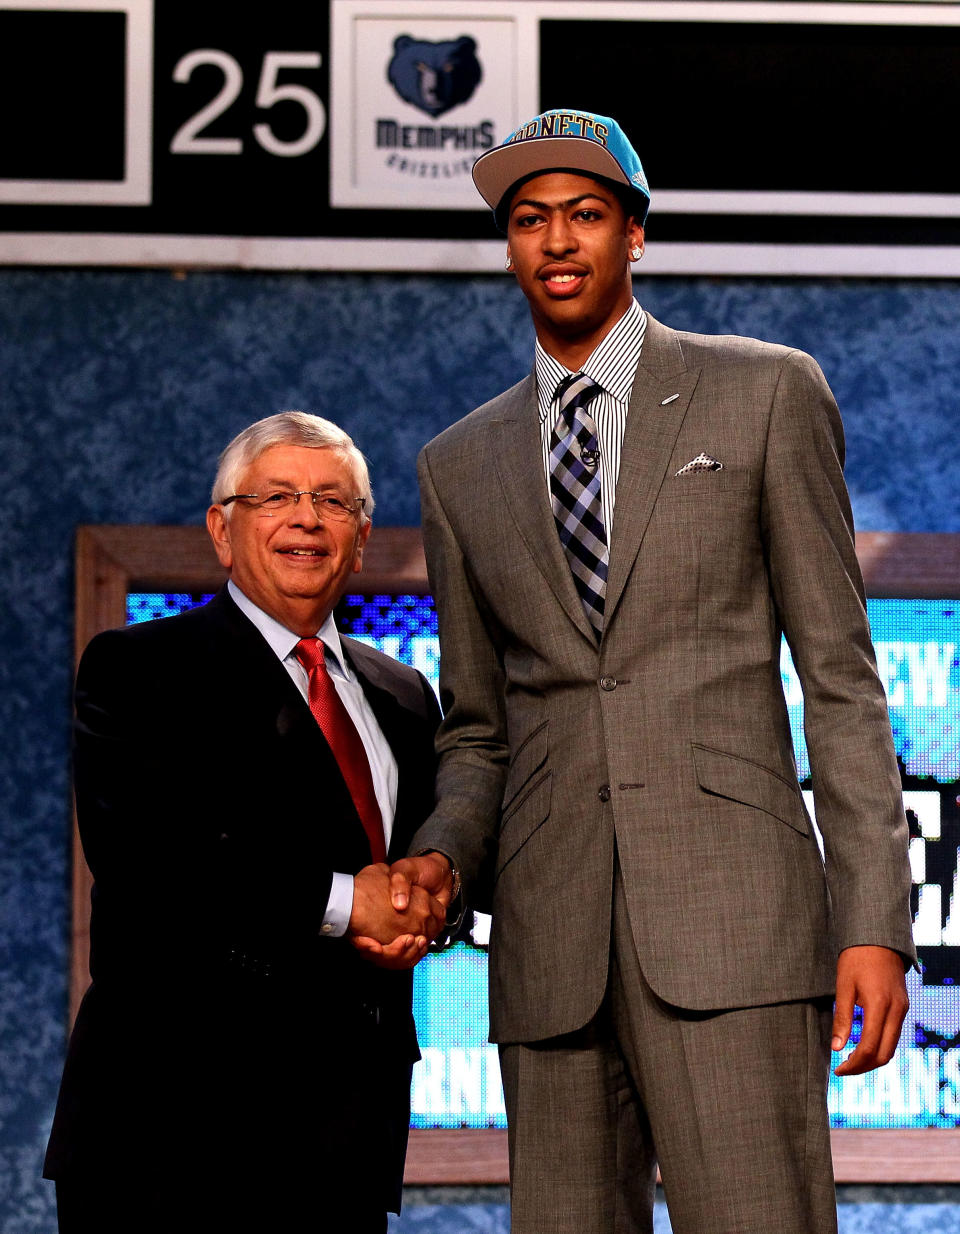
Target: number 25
[[187, 139]]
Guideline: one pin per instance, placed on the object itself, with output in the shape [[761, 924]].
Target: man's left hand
[[872, 978]]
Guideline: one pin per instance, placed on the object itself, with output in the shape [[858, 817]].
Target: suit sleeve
[[807, 527], [472, 740], [150, 856]]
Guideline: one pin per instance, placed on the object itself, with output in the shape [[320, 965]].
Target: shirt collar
[[283, 642], [605, 364]]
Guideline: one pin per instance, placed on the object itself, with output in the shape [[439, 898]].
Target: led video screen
[[918, 652]]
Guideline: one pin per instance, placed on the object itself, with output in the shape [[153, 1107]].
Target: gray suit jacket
[[670, 740]]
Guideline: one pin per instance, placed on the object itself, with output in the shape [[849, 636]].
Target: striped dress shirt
[[612, 365]]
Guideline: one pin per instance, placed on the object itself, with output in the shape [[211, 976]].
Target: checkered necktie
[[344, 740], [575, 493]]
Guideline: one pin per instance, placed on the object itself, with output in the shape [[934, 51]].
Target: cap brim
[[498, 169]]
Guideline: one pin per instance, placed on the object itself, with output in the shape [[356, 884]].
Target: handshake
[[398, 910]]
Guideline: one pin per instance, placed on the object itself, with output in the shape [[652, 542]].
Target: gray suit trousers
[[731, 1104]]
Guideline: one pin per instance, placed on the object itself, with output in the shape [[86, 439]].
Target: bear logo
[[434, 77]]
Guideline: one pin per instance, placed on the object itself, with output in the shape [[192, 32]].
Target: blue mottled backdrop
[[120, 388]]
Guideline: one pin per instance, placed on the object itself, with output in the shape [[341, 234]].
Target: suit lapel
[[265, 684], [260, 677], [518, 454], [661, 394], [394, 722]]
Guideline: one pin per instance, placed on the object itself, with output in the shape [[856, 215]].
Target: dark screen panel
[[62, 95], [731, 105]]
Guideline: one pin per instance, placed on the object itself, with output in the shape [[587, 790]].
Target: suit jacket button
[[604, 792], [608, 683]]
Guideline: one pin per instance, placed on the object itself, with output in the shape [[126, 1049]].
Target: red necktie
[[344, 740]]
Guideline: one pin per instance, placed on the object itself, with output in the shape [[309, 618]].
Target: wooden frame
[[111, 561]]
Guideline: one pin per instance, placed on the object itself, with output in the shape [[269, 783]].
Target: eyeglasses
[[281, 500]]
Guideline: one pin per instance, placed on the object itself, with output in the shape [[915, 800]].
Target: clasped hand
[[398, 910]]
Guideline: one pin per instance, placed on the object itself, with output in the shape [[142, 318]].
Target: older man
[[242, 773], [616, 546]]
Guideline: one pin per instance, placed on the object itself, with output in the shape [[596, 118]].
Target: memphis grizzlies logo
[[434, 77]]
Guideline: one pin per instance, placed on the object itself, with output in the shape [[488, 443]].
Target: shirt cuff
[[336, 917]]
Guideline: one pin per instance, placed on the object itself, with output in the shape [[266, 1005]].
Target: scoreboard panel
[[291, 136]]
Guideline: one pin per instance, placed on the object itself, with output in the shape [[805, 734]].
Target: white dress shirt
[[383, 766]]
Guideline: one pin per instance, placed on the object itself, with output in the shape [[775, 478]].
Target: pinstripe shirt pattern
[[612, 365]]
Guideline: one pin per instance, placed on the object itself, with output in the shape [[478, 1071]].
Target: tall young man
[[616, 546]]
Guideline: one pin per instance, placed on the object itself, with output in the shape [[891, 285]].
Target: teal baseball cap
[[561, 139]]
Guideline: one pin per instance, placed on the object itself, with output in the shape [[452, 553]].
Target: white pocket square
[[703, 462]]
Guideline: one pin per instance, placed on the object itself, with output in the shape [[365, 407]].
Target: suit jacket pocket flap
[[527, 760], [727, 775], [529, 809]]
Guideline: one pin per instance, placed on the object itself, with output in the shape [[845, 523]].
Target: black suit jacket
[[221, 1030]]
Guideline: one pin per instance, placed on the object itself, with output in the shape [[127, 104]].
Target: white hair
[[288, 428]]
